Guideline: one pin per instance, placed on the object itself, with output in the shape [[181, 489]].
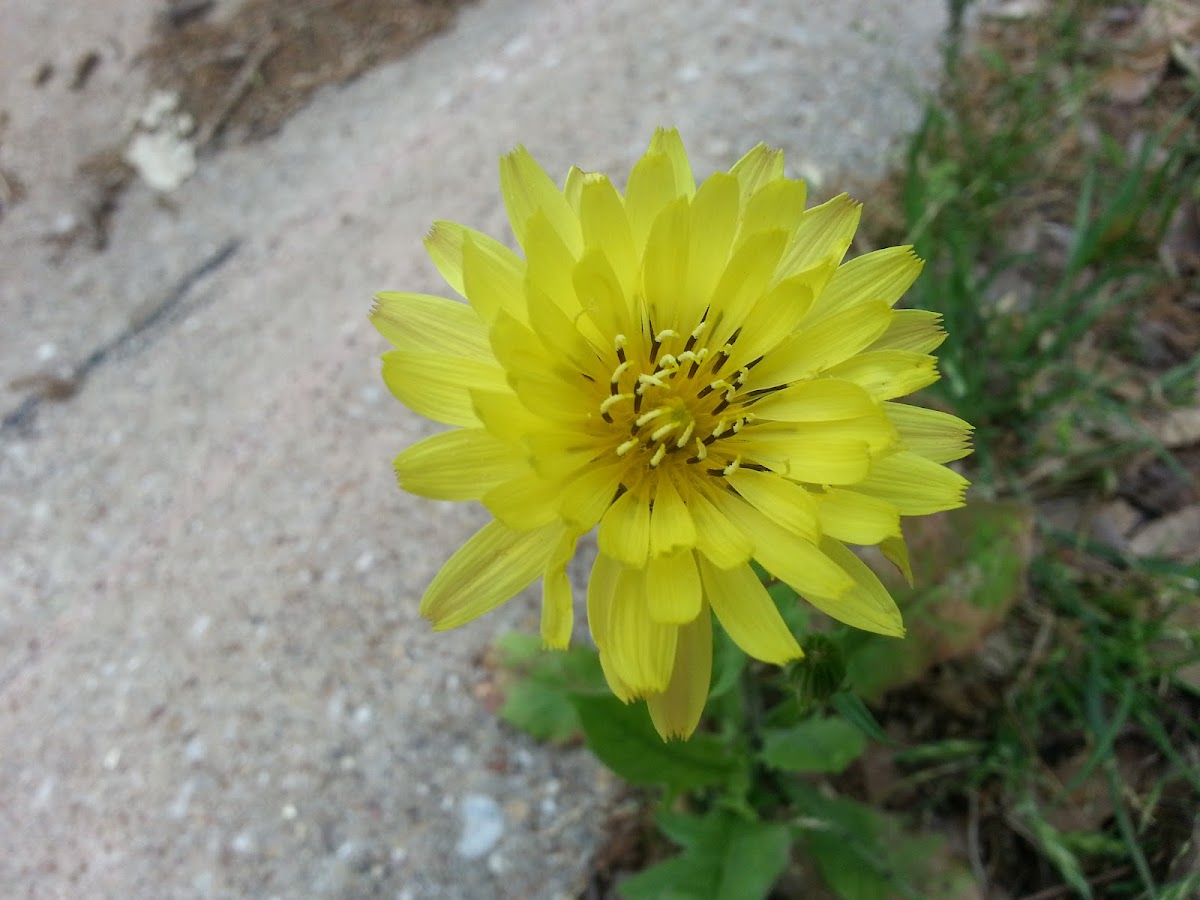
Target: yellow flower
[[695, 371]]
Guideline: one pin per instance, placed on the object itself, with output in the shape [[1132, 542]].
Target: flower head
[[694, 370]]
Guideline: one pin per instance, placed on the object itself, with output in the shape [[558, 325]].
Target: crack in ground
[[23, 415]]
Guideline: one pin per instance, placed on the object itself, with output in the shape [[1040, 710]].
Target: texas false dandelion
[[695, 371]]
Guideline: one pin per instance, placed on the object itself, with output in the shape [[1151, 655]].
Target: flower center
[[675, 399]]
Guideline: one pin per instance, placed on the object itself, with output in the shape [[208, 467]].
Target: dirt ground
[[213, 681]]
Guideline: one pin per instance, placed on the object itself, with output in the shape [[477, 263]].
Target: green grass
[[988, 160]]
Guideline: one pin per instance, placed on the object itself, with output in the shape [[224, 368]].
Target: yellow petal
[[423, 322], [888, 373], [558, 606], [833, 452], [716, 536], [602, 584], [438, 386], [856, 518], [560, 335], [606, 227], [586, 498], [756, 169], [777, 204], [664, 272], [676, 711], [527, 189], [881, 276], [493, 282], [651, 187], [868, 605], [488, 569], [671, 526], [462, 464], [668, 141], [527, 501], [673, 588], [819, 400], [503, 415], [937, 436], [714, 221], [544, 382], [620, 689], [776, 315], [642, 650], [625, 530], [813, 350], [601, 295], [550, 266], [445, 243], [823, 233], [749, 272], [780, 500], [782, 553], [915, 330], [896, 551], [573, 187], [916, 486], [747, 612]]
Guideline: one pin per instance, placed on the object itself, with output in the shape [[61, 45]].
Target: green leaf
[[814, 745], [728, 662], [851, 707], [538, 701], [623, 738], [725, 857], [542, 712]]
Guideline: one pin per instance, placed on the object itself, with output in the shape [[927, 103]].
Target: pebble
[[482, 825]]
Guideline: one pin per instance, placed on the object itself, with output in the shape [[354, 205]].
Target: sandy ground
[[213, 681]]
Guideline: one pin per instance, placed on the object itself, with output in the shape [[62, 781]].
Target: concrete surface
[[213, 680]]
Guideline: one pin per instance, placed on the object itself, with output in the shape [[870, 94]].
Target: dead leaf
[[1175, 536], [1139, 60]]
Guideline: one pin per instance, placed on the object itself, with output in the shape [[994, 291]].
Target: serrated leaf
[[814, 745], [624, 739], [863, 854], [542, 712], [725, 857]]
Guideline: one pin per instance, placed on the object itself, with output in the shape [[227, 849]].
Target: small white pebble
[[288, 813], [365, 560], [46, 352], [482, 826], [348, 763], [44, 792], [243, 842], [688, 73], [199, 627], [496, 863], [194, 750], [112, 758], [363, 715]]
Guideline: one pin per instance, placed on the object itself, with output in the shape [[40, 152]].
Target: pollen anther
[[627, 446]]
